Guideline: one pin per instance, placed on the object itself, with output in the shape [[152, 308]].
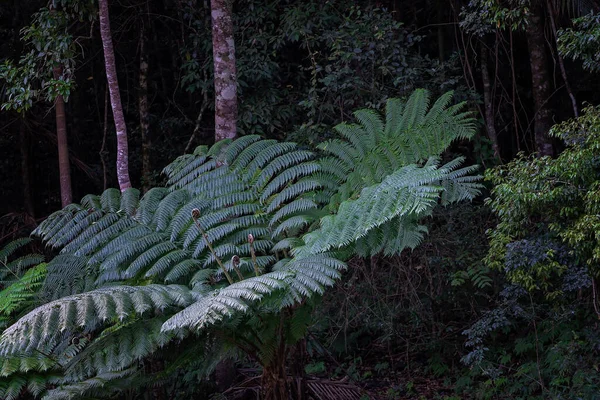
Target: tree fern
[[236, 244]]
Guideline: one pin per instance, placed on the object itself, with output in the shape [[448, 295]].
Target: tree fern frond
[[238, 146], [130, 200], [21, 294], [415, 110], [66, 275], [110, 200], [168, 207], [223, 303], [266, 155], [288, 175], [280, 163], [249, 153], [407, 191], [372, 123], [296, 206], [149, 204], [91, 202], [90, 310]]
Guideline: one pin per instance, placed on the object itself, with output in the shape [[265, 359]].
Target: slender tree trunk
[[541, 80], [225, 108], [143, 110], [561, 63], [225, 73], [25, 173], [115, 97], [66, 195], [490, 123]]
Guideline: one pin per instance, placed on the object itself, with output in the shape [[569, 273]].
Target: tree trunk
[[541, 81], [66, 195], [144, 114], [490, 123], [115, 97], [25, 173], [225, 73]]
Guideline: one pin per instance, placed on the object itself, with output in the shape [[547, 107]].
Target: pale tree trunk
[[66, 195], [541, 80], [225, 113], [224, 66], [115, 97], [490, 123], [144, 113]]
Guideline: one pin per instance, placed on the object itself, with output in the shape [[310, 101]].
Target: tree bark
[[225, 73], [66, 195], [490, 123], [540, 79], [144, 113], [561, 63], [115, 97], [25, 173]]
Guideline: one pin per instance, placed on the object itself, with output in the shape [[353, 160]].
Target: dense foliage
[[300, 259]]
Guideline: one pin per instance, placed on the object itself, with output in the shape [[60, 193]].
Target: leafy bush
[[541, 339]]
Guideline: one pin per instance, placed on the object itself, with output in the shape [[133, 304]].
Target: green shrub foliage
[[547, 246]]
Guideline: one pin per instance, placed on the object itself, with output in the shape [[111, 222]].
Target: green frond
[[237, 146], [224, 303], [72, 227], [288, 175], [181, 222], [122, 240], [21, 294], [118, 348], [217, 148], [372, 123], [280, 163], [249, 153], [91, 202], [90, 310], [11, 247], [99, 234], [415, 110], [130, 200], [181, 269], [194, 167], [112, 266], [168, 262], [394, 109], [411, 190], [168, 207], [292, 224], [66, 274], [110, 200], [296, 206], [146, 260], [266, 155], [149, 204], [358, 137], [100, 385]]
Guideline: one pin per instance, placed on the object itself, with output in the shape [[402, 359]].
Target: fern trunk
[[274, 383]]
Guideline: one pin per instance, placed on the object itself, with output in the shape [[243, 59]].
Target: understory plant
[[541, 340], [228, 258]]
